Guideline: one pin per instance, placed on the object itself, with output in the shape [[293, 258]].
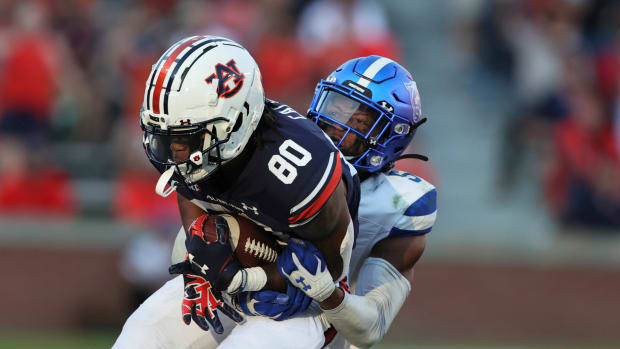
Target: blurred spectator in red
[[238, 20], [134, 199], [334, 31], [285, 67], [155, 219], [582, 183], [29, 74], [31, 185]]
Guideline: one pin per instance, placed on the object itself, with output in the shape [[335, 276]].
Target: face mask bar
[[351, 114], [375, 152], [382, 122], [158, 145]]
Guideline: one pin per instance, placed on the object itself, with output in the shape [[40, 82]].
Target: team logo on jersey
[[229, 79]]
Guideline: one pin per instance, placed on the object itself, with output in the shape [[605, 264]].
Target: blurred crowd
[[72, 77], [559, 60]]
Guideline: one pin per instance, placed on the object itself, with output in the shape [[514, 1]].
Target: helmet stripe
[[372, 70], [181, 61], [164, 71], [147, 96]]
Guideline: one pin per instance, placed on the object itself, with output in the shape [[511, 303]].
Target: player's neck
[[230, 172], [363, 175]]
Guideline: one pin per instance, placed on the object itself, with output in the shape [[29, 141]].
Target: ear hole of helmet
[[238, 123], [397, 98]]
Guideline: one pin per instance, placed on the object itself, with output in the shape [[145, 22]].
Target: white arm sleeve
[[178, 249], [364, 318]]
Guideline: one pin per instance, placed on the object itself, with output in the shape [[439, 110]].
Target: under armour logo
[[301, 281], [252, 208], [203, 268], [386, 106], [229, 79]]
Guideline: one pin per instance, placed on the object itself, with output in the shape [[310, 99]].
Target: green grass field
[[101, 340]]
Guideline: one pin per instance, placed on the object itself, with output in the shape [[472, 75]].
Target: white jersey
[[392, 204]]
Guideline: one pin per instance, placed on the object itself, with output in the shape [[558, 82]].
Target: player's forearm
[[337, 249], [363, 319], [275, 282], [331, 231]]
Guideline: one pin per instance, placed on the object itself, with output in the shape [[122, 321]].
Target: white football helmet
[[202, 102]]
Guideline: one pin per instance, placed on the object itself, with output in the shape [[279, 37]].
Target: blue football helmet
[[370, 108]]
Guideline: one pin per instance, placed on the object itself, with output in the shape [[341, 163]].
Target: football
[[252, 245]]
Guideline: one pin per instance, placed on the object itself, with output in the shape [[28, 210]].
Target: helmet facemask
[[387, 93], [202, 102], [193, 151], [358, 127]]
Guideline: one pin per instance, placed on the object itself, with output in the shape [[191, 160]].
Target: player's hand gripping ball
[[251, 244], [207, 270]]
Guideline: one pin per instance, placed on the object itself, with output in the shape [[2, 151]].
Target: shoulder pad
[[417, 204]]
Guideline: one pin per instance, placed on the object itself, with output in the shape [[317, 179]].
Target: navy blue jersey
[[291, 173]]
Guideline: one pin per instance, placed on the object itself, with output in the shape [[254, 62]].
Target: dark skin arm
[[326, 231], [401, 252], [189, 211]]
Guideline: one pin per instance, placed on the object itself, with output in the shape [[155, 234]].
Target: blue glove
[[275, 305], [303, 265]]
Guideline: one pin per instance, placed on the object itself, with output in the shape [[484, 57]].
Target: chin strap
[[160, 188], [412, 156]]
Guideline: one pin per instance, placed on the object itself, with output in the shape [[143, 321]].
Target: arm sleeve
[[364, 318], [178, 249]]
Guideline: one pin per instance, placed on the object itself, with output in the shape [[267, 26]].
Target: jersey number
[[284, 165], [409, 176]]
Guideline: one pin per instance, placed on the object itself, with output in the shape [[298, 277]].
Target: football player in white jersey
[[370, 107]]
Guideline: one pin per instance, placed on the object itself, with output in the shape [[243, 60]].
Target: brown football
[[252, 245]]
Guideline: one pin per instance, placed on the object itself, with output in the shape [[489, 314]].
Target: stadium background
[[523, 135]]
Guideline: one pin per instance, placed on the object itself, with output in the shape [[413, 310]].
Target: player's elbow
[[368, 339]]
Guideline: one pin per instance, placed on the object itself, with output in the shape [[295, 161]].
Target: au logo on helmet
[[229, 79]]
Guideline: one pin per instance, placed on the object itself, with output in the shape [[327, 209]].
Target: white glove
[[304, 266]]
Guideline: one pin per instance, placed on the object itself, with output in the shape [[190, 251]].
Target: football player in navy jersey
[[370, 107], [391, 236], [223, 147]]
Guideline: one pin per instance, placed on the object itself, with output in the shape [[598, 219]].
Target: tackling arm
[[382, 288], [331, 231], [189, 211]]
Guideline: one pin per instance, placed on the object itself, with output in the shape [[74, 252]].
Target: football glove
[[275, 305], [200, 302], [208, 268], [213, 260], [303, 265]]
